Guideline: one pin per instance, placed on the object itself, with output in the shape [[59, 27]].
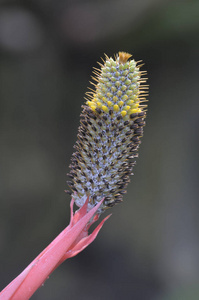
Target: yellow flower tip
[[118, 88], [115, 107], [93, 107], [125, 97], [105, 108], [110, 95], [135, 110], [119, 93], [113, 89], [127, 107], [130, 102], [123, 113], [123, 57], [115, 98], [89, 102]]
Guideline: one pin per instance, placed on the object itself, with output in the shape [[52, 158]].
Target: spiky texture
[[111, 126]]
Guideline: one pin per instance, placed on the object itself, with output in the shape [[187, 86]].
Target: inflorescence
[[111, 126]]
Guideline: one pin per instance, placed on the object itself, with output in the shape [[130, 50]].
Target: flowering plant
[[111, 126]]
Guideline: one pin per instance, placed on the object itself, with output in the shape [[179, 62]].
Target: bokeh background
[[149, 248]]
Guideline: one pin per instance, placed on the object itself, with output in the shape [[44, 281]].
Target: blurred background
[[149, 248]]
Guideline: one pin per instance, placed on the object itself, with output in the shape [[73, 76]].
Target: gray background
[[149, 248]]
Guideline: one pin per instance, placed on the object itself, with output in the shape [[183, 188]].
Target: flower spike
[[108, 139]]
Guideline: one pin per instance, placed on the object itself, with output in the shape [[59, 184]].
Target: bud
[[108, 139]]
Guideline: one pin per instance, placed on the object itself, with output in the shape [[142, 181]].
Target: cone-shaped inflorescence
[[111, 126]]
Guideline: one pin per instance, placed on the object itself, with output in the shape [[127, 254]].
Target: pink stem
[[24, 285]]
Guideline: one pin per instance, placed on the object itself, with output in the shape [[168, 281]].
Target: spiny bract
[[111, 126]]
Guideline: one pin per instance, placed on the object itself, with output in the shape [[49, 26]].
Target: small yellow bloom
[[123, 113], [115, 107], [105, 108]]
